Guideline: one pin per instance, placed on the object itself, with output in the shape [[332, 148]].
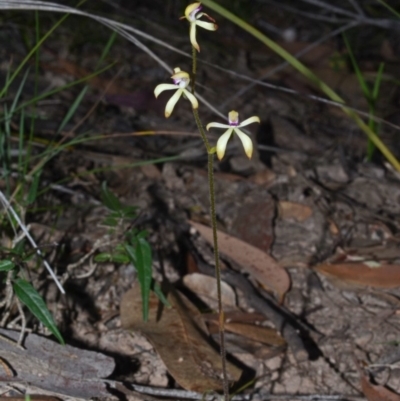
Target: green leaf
[[120, 258], [160, 295], [6, 265], [131, 253], [129, 211], [32, 299], [34, 188], [109, 199], [142, 260], [110, 221], [102, 257], [113, 257], [144, 269]]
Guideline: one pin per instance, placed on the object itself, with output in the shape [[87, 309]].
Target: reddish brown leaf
[[375, 392], [372, 274], [179, 337], [259, 264]]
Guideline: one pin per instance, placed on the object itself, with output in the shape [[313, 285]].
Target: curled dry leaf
[[265, 335], [257, 263], [373, 274], [205, 287], [179, 336], [374, 392]]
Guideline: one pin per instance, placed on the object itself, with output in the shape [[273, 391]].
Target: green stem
[[201, 130], [194, 68], [211, 188], [218, 274]]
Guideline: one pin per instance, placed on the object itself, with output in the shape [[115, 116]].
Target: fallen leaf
[[180, 340], [264, 177], [252, 222], [205, 287], [257, 263], [366, 273], [295, 211], [265, 335], [374, 392]]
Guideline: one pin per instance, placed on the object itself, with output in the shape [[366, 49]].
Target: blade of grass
[[391, 9], [80, 97], [308, 74], [377, 83], [360, 77], [30, 54], [72, 110], [61, 88], [9, 208]]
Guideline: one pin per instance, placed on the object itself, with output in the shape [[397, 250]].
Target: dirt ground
[[308, 208]]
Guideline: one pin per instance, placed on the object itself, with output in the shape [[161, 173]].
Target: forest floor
[[309, 229]]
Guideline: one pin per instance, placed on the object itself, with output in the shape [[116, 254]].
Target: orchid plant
[[181, 82]]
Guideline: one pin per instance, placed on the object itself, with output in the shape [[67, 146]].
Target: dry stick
[[8, 207], [192, 395], [286, 64]]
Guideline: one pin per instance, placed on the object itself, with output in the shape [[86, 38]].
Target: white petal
[[217, 125], [250, 120], [207, 25], [172, 102], [193, 40], [163, 87], [222, 142], [246, 142], [191, 98], [190, 8]]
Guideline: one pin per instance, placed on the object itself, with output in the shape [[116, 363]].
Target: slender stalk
[[194, 68], [218, 274], [201, 130], [211, 188]]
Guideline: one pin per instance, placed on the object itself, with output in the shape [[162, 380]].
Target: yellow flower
[[181, 81], [194, 20], [233, 127]]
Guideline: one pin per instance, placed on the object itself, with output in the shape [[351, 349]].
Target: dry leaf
[[179, 338], [375, 392], [205, 287], [254, 261], [265, 335], [292, 210], [373, 274]]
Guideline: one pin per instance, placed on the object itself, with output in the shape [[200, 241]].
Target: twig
[[93, 267], [23, 321], [8, 207], [286, 64], [330, 7], [357, 7], [192, 395]]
